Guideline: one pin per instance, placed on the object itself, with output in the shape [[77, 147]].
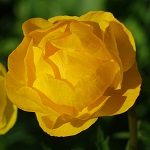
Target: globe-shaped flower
[[72, 70]]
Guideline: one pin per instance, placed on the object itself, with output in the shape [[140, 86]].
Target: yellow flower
[[72, 70], [8, 111]]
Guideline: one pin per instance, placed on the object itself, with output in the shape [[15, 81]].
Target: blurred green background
[[108, 132]]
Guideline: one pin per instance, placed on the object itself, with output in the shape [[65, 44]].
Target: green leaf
[[121, 135], [102, 143], [144, 132], [128, 145]]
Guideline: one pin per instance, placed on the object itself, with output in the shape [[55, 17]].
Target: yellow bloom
[[8, 111], [72, 70]]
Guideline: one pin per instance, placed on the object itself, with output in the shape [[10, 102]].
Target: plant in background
[[71, 70], [8, 111]]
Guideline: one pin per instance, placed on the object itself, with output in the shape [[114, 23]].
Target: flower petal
[[35, 64], [24, 97], [91, 87], [16, 65], [57, 19], [8, 111], [111, 45], [67, 127], [125, 44], [9, 118], [74, 65], [41, 36], [84, 41], [56, 90], [89, 76], [121, 100], [2, 70], [34, 24], [55, 33], [3, 101], [124, 38], [101, 17]]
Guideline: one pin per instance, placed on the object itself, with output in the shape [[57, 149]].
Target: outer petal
[[124, 38], [16, 65], [125, 44], [3, 101], [121, 100], [38, 28], [8, 111], [101, 17], [47, 34], [9, 118], [56, 19], [2, 70], [34, 24], [111, 45], [24, 97], [67, 128]]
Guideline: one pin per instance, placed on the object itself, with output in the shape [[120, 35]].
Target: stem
[[132, 119]]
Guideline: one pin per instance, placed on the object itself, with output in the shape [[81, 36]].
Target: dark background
[[108, 132]]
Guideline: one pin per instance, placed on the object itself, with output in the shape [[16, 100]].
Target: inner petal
[[91, 87], [73, 65], [52, 34], [56, 90], [36, 65], [82, 38]]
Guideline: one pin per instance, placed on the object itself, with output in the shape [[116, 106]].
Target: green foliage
[[109, 132], [102, 143]]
